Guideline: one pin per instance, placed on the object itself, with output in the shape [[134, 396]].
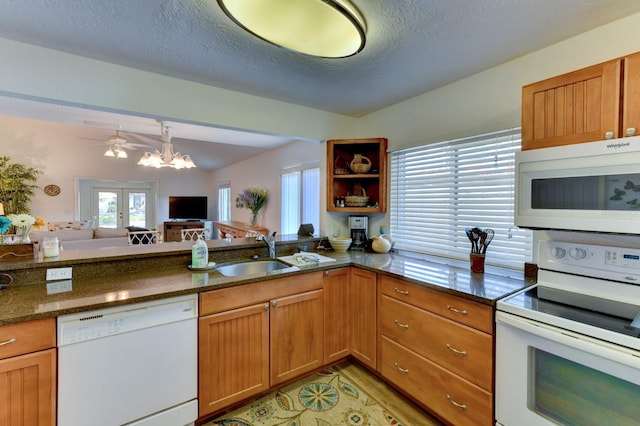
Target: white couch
[[84, 239]]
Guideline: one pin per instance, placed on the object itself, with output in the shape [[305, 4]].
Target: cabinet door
[[233, 356], [364, 316], [580, 106], [296, 335], [28, 389], [631, 99], [337, 304]]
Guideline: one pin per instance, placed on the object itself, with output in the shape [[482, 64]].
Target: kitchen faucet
[[270, 242]]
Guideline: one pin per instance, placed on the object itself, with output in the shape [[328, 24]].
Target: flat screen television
[[188, 207]]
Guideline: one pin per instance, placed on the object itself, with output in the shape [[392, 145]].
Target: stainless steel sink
[[254, 267]]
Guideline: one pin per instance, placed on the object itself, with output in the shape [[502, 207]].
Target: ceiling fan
[[117, 146]]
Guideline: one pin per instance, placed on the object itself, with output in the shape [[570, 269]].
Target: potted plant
[[17, 185]]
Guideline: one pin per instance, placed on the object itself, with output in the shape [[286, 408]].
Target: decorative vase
[[23, 234], [254, 219]]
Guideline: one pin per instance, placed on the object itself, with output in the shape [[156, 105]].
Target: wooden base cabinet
[[364, 324], [452, 398], [439, 349], [233, 356], [255, 336], [296, 335], [28, 373], [337, 314]]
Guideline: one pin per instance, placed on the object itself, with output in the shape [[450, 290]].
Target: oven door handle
[[602, 349]]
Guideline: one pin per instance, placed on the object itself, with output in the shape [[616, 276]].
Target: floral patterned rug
[[323, 399]]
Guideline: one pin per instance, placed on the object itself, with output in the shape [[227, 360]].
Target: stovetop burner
[[605, 314], [586, 289]]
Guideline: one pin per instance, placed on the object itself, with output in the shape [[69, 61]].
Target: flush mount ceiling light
[[166, 158], [324, 28]]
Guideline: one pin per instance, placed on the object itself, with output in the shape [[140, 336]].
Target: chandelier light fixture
[[166, 158], [323, 28]]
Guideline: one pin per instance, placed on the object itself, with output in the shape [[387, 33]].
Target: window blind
[[224, 202], [300, 199], [438, 190]]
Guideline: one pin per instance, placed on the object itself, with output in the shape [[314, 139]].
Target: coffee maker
[[358, 226]]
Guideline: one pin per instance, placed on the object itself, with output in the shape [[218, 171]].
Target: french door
[[117, 204], [118, 208]]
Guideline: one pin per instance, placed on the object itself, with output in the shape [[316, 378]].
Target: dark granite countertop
[[115, 282]]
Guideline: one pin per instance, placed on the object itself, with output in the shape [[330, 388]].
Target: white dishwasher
[[129, 365]]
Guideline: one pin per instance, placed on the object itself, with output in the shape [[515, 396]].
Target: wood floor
[[407, 412]]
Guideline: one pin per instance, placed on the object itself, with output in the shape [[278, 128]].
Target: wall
[[264, 171], [31, 71], [59, 151], [491, 100], [486, 101]]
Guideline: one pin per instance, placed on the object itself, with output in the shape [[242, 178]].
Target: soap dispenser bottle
[[199, 253]]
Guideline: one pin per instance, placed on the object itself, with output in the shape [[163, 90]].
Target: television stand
[[173, 229]]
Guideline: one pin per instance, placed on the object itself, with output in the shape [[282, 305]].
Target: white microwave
[[592, 186]]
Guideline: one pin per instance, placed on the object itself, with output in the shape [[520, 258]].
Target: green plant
[[16, 186]]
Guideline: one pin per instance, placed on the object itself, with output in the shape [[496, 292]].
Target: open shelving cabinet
[[341, 181]]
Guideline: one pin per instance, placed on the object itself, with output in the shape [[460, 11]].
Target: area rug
[[323, 399]]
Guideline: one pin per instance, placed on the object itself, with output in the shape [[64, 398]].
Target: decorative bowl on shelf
[[340, 244]]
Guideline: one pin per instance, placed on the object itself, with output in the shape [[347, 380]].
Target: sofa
[[84, 238]]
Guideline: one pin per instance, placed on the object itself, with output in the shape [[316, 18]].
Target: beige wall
[[63, 156], [33, 71], [490, 100], [486, 101]]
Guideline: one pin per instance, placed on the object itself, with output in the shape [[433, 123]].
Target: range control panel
[[615, 263]]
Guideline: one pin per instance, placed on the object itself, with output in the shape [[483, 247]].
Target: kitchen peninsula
[[113, 277]]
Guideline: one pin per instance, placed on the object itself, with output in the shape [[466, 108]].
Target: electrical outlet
[[59, 274], [59, 286]]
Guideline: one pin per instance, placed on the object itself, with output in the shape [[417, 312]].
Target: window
[[224, 202], [438, 190], [300, 199]]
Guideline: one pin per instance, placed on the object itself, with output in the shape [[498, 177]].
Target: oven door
[[580, 187], [546, 375]]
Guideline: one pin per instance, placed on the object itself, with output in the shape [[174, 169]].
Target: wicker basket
[[360, 164], [340, 166], [356, 200]]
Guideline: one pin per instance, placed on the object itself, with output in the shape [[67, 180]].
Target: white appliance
[[587, 187], [129, 365], [568, 348]]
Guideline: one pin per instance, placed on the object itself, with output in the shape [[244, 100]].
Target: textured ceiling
[[413, 46]]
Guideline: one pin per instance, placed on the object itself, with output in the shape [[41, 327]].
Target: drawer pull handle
[[402, 292], [401, 325], [457, 404], [452, 349], [12, 340], [400, 369], [457, 311]]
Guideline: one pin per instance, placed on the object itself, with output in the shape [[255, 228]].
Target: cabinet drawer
[[454, 399], [458, 309], [461, 349], [25, 337], [249, 294]]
